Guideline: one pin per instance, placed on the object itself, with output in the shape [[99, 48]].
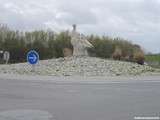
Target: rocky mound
[[81, 66]]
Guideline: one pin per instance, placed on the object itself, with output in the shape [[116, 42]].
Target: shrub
[[117, 54], [103, 47], [139, 57], [67, 52]]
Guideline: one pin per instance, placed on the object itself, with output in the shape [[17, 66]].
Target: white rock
[[83, 66]]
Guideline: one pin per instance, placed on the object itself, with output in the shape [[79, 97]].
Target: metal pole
[[33, 68]]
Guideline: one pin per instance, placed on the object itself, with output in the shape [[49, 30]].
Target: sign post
[[32, 58]]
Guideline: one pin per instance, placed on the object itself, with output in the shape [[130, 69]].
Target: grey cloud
[[136, 20]]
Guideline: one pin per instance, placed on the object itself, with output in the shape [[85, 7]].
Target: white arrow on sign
[[33, 57]]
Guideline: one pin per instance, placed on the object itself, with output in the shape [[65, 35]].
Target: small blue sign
[[32, 57]]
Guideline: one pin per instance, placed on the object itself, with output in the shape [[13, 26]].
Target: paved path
[[67, 100]]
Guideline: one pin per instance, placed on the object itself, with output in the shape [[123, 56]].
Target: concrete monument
[[79, 43]]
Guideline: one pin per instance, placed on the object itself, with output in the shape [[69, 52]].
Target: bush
[[117, 55], [61, 41], [103, 47], [139, 57], [67, 52]]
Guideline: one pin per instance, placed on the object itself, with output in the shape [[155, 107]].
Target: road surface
[[68, 100]]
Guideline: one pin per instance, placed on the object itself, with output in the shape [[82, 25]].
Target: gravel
[[79, 66]]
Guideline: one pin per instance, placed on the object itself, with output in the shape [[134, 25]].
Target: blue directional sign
[[32, 57]]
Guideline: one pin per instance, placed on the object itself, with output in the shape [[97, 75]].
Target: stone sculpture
[[79, 43]]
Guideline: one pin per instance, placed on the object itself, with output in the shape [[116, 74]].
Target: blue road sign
[[32, 57]]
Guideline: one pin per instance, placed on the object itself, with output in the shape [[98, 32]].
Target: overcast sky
[[135, 20]]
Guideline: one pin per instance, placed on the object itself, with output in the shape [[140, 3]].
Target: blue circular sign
[[32, 57]]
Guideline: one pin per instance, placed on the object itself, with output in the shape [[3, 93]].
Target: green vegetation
[[116, 48], [153, 60], [50, 45]]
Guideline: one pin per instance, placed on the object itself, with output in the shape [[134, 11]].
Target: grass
[[153, 60]]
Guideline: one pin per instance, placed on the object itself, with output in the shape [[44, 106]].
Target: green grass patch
[[152, 58]]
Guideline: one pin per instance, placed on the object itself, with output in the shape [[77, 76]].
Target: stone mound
[[79, 66]]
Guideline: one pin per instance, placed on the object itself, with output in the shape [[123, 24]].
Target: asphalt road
[[52, 100]]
